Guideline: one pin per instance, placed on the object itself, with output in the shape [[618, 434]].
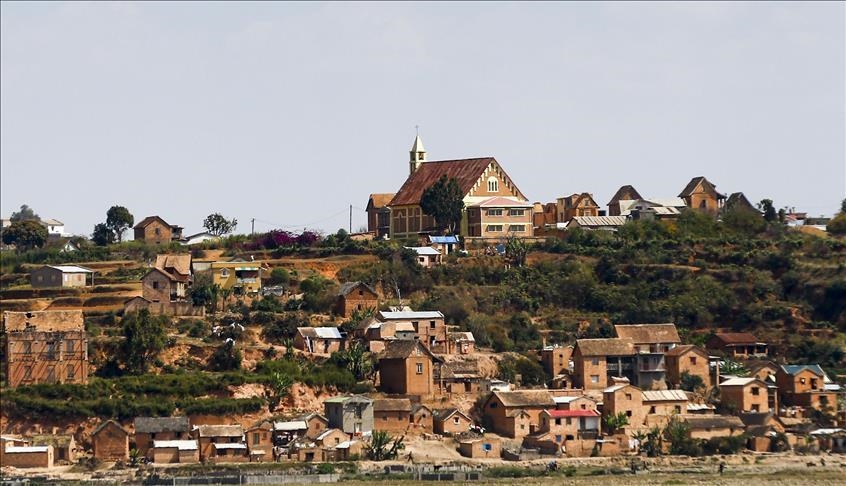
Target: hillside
[[786, 287]]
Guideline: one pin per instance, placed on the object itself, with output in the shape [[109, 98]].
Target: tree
[[766, 205], [102, 235], [25, 214], [25, 234], [444, 201], [383, 447], [146, 336], [118, 220], [217, 225], [277, 389]]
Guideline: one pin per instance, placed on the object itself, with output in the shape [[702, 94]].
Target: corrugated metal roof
[[410, 315], [664, 395], [71, 269], [182, 445]]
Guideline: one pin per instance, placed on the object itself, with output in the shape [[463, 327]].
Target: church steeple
[[417, 155]]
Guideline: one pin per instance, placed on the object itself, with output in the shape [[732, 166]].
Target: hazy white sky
[[288, 113]]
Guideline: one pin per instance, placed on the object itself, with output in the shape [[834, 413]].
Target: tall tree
[[146, 336], [119, 219], [25, 214], [217, 225], [25, 234], [444, 201]]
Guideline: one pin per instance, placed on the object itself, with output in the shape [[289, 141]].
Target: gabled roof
[[319, 332], [155, 425], [571, 413], [684, 348], [379, 201], [465, 171], [648, 333], [796, 369], [713, 421], [403, 349], [348, 287], [219, 430], [706, 186], [605, 347], [149, 219], [181, 263], [392, 405], [625, 192], [525, 398], [736, 337], [105, 424]]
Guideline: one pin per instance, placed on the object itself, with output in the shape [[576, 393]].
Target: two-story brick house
[[45, 347]]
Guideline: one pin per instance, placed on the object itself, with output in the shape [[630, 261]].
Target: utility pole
[[253, 229], [350, 218]]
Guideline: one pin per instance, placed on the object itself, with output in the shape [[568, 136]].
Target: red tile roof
[[466, 171], [572, 413]]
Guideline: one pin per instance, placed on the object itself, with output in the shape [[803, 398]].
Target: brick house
[[500, 217], [748, 395], [487, 447], [702, 195], [221, 443], [148, 429], [516, 414], [689, 359], [595, 361], [806, 386], [185, 451], [379, 214], [154, 229], [479, 179], [110, 442], [321, 340], [406, 368], [45, 347], [736, 345], [391, 414], [429, 326], [61, 276], [556, 359], [711, 426], [355, 296], [576, 205], [352, 414], [450, 421], [651, 342], [260, 442], [625, 193]]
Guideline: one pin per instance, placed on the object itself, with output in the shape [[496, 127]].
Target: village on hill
[[461, 328]]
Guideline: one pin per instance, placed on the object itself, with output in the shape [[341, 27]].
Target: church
[[494, 208]]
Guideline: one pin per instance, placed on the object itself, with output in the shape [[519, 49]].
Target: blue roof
[[443, 239], [793, 369]]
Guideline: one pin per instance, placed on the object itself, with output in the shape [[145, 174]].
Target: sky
[[290, 113]]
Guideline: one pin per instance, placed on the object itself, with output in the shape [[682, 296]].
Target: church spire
[[417, 155]]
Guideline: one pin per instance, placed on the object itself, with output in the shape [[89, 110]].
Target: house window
[[594, 361], [693, 360], [755, 390], [494, 212], [495, 228], [594, 378], [517, 228], [516, 212], [652, 409], [419, 368], [493, 185], [628, 396]]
